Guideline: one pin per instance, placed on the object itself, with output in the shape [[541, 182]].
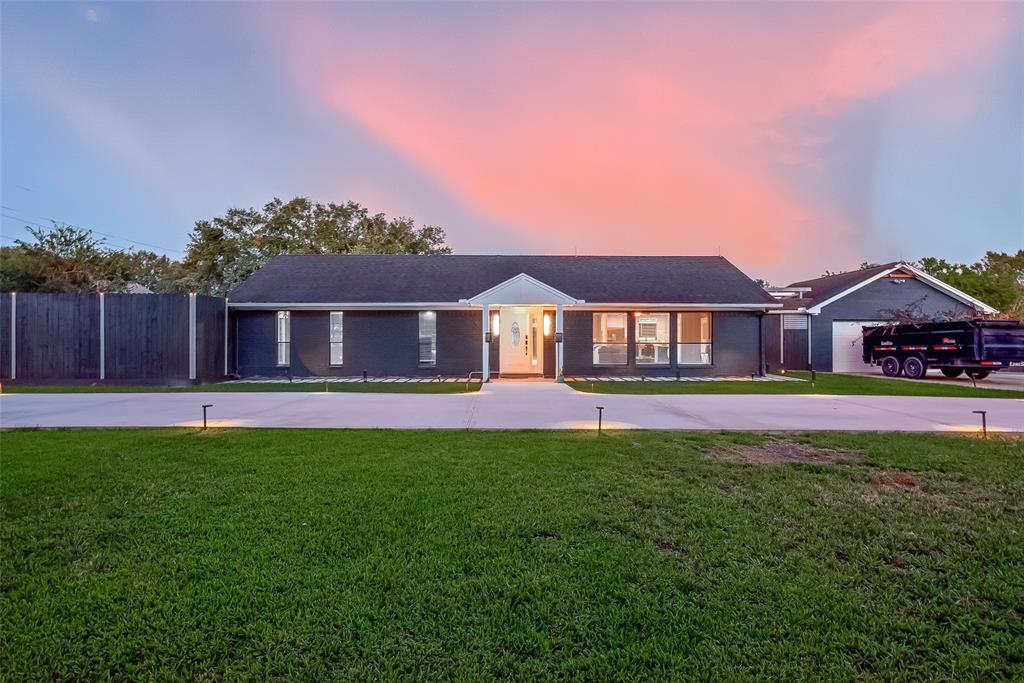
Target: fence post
[[103, 338], [225, 336], [14, 335], [192, 336]]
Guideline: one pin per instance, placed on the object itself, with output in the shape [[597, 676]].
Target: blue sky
[[792, 138]]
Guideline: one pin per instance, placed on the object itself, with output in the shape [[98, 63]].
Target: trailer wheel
[[915, 367], [978, 374], [891, 366], [952, 372]]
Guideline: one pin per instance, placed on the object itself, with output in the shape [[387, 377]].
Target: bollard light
[[600, 413], [205, 406]]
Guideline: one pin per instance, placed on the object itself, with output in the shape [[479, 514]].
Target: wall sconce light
[[547, 324], [495, 324]]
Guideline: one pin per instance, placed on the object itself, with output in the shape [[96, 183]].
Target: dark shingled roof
[[377, 278], [824, 288]]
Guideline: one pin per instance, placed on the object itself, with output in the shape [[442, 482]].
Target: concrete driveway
[[511, 406]]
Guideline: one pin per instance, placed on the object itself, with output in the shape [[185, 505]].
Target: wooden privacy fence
[[116, 337]]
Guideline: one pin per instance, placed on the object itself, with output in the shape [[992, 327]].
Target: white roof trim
[[340, 306], [624, 306], [522, 289], [934, 282], [465, 306]]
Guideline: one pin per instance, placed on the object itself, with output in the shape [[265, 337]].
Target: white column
[[14, 335], [191, 336], [485, 365], [558, 344], [103, 338]]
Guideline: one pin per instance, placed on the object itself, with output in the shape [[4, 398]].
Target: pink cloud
[[636, 130]]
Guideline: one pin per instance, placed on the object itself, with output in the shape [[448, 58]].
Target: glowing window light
[[495, 324], [547, 325]]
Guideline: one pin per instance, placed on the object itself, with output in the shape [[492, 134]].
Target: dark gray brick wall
[[735, 348], [380, 342]]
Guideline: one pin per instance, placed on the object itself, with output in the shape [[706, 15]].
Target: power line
[[105, 234]]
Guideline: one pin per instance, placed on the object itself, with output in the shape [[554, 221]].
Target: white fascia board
[[934, 282], [816, 309], [338, 306], [522, 289], [676, 307], [788, 311], [464, 305]]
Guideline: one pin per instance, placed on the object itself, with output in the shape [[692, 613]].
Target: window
[[337, 337], [428, 338], [694, 347], [284, 337], [610, 339], [652, 344]]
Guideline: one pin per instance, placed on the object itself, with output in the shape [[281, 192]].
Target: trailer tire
[[978, 374], [915, 367], [952, 373], [891, 366]]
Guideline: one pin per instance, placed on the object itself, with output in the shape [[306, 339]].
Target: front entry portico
[[520, 303]]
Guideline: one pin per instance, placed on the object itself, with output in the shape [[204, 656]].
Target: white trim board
[[448, 306], [522, 290], [928, 279]]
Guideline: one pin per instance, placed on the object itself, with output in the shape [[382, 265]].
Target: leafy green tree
[[997, 279], [225, 250], [69, 259]]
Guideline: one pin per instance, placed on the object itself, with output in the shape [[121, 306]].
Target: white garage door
[[847, 350]]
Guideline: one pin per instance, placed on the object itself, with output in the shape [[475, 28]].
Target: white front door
[[847, 347], [519, 328]]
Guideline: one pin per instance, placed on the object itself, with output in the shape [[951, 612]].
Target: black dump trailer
[[975, 347]]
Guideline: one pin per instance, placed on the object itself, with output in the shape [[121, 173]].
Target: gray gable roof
[[379, 278]]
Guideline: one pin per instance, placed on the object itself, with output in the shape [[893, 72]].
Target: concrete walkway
[[513, 405]]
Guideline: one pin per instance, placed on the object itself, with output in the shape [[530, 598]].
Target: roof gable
[[523, 289], [829, 289]]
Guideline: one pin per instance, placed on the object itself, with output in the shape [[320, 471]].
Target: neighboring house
[[820, 322], [550, 316]]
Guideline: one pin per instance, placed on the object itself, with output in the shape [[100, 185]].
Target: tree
[[997, 279], [64, 258], [225, 250]]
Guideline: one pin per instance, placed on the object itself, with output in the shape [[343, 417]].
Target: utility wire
[[105, 234]]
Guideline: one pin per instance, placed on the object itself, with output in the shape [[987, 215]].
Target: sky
[[791, 138]]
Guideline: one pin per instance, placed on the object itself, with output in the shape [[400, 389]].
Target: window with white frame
[[693, 338], [337, 337], [428, 338], [610, 339], [284, 337], [652, 342]]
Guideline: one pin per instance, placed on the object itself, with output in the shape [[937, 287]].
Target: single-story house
[[819, 323], [546, 316]]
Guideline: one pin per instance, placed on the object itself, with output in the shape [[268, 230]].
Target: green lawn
[[338, 387], [825, 383], [242, 554]]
